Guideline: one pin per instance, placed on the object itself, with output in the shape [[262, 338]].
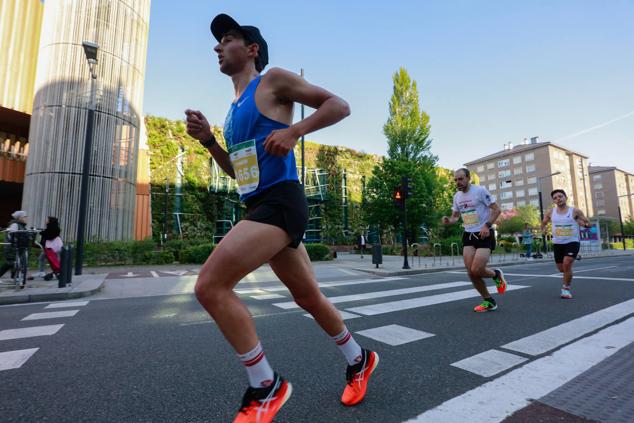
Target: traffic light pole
[[405, 194]]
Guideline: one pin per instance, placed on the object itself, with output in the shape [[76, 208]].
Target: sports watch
[[489, 225]]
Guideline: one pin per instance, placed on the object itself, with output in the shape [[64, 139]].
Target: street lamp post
[[90, 49], [621, 219], [541, 206]]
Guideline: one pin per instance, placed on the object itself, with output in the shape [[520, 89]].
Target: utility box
[[377, 255]]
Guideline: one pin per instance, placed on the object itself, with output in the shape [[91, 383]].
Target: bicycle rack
[[416, 252], [439, 248], [453, 257]]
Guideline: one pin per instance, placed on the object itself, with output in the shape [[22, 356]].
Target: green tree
[[514, 221], [409, 154]]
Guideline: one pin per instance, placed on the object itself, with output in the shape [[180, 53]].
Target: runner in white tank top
[[565, 221]]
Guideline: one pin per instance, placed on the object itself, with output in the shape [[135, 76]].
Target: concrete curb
[[383, 272], [86, 285]]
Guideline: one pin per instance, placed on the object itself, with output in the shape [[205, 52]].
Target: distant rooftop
[[533, 144], [598, 169]]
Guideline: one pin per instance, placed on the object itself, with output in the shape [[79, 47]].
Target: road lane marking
[[380, 294], [51, 315], [341, 283], [392, 306], [29, 332], [15, 359], [489, 363], [558, 276], [501, 397], [344, 315], [554, 337], [67, 304], [267, 296], [394, 334]]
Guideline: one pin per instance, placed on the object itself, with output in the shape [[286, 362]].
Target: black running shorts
[[472, 239], [283, 205], [565, 250]]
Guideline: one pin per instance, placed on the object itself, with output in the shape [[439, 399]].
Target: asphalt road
[[161, 359]]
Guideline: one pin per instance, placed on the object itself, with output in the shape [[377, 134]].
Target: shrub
[[318, 252], [196, 254], [159, 257]]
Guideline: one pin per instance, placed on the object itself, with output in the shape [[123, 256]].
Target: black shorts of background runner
[[472, 239], [565, 250], [283, 205]]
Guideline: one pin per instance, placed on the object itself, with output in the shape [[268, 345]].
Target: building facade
[[20, 24], [517, 174], [612, 188], [58, 124]]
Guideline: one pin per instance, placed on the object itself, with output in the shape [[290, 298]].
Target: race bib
[[244, 159], [564, 231], [470, 218]]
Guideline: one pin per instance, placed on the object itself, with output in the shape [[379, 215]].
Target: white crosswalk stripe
[[67, 304], [380, 294], [15, 359], [51, 315], [29, 332]]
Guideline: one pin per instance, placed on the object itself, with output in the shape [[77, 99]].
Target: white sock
[[258, 369], [348, 346]]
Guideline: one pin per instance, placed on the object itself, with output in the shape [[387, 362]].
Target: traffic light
[[398, 196], [406, 187]]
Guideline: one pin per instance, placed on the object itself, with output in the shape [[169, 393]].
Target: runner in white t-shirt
[[566, 221], [478, 211]]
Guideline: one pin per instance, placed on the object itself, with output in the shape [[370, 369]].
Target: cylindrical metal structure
[[60, 116]]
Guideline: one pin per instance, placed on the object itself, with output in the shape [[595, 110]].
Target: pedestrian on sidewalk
[[527, 240], [478, 211], [361, 244], [52, 246], [565, 231], [260, 138]]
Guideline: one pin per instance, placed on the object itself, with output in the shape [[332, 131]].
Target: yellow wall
[[20, 25]]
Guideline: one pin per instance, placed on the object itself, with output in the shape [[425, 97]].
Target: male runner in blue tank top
[[260, 139], [566, 221]]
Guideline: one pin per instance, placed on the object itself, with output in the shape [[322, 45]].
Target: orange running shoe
[[260, 405], [486, 305], [358, 377], [499, 280]]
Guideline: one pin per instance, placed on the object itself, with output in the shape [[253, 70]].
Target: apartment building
[[516, 175], [611, 188]]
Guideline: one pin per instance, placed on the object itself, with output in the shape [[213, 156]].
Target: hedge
[[318, 252]]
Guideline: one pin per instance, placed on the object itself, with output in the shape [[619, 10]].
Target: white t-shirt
[[473, 207]]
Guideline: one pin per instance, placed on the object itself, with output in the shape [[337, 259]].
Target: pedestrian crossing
[[10, 360]]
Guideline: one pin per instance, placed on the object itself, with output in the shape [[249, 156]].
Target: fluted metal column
[[61, 109]]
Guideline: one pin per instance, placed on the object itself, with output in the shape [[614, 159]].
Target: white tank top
[[565, 227]]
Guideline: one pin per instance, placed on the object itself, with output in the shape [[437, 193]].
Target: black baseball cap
[[222, 24]]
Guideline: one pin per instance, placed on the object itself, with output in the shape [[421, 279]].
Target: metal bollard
[[377, 255], [453, 257], [66, 271], [437, 247]]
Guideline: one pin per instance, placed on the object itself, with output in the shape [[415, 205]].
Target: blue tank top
[[245, 131]]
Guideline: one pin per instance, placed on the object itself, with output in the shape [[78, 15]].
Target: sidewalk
[[180, 278]]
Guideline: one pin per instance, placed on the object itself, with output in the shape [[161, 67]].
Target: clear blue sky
[[488, 72]]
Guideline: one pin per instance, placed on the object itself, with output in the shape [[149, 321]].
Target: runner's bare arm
[[451, 220], [546, 219], [495, 212], [198, 127], [581, 219], [288, 87]]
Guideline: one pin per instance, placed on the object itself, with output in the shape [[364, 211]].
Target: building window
[[600, 203], [518, 171], [532, 180], [517, 159], [480, 169], [532, 191], [506, 195], [506, 206], [521, 203], [490, 165], [520, 193], [598, 195], [530, 156], [491, 177], [519, 182], [596, 177], [598, 186], [504, 173], [492, 187], [506, 184], [530, 168], [535, 203], [601, 212], [504, 163]]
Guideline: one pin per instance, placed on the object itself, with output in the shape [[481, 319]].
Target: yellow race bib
[[244, 159], [470, 218]]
